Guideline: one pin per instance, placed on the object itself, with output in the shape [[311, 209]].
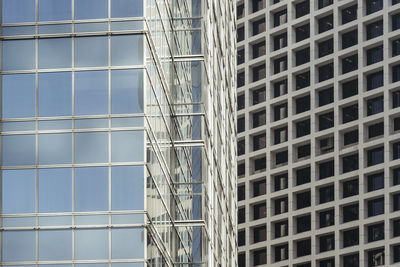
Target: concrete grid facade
[[318, 133]]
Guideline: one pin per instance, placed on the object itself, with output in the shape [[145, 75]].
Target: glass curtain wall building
[[118, 133], [318, 133]]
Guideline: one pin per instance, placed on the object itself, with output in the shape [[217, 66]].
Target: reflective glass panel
[[91, 92], [18, 96], [91, 9], [55, 148], [18, 245], [127, 50], [126, 8], [15, 11], [53, 10], [91, 51], [91, 27], [127, 91], [55, 190], [59, 28], [18, 191], [127, 146], [55, 94], [19, 221], [54, 220], [91, 265], [19, 30], [19, 126], [91, 244], [55, 245], [127, 188], [18, 150], [127, 243], [55, 125], [91, 219], [18, 54], [128, 264], [91, 123], [127, 122], [91, 147], [91, 189], [55, 53]]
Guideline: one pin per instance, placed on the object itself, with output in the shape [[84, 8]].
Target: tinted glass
[[18, 246], [91, 189], [18, 150], [50, 10], [18, 191], [126, 8], [126, 146], [91, 92], [91, 147], [91, 51], [18, 54], [55, 94], [126, 50], [91, 9], [55, 53], [91, 244], [127, 243], [55, 148], [127, 188], [55, 245], [14, 11], [127, 91], [55, 190], [18, 96]]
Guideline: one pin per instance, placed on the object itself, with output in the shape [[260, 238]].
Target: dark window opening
[[325, 23], [325, 96], [280, 135], [396, 176], [374, 55], [259, 188], [303, 176], [302, 80], [281, 252], [324, 3], [350, 113], [260, 164], [375, 156], [350, 137], [302, 9], [396, 202], [326, 218], [259, 211], [349, 14], [326, 169], [326, 121], [260, 257], [374, 80], [350, 88], [280, 41], [259, 118], [376, 232], [280, 18], [302, 128], [258, 26], [375, 130], [376, 207], [240, 56], [302, 104], [240, 11], [241, 147], [396, 150], [351, 238], [258, 5], [240, 102], [259, 141], [280, 64], [242, 260], [281, 205], [240, 79], [325, 72], [396, 124], [303, 151], [325, 48], [258, 49], [396, 228], [281, 229], [373, 6], [396, 73], [240, 34], [241, 215], [258, 96], [326, 194], [259, 72], [303, 247], [281, 182], [240, 125], [349, 39], [280, 112], [351, 260], [326, 243], [259, 234], [241, 191], [350, 213], [303, 200], [396, 47], [350, 163], [396, 99], [376, 257], [302, 32], [375, 105], [280, 88], [396, 253], [241, 238], [395, 22], [302, 56], [303, 223], [350, 63], [281, 157], [350, 188], [374, 29], [241, 169], [327, 263]]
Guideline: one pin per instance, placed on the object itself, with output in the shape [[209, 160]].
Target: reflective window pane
[[91, 92], [91, 51], [55, 245], [127, 146], [18, 150], [55, 94], [128, 264], [91, 147], [18, 54], [16, 11], [91, 244], [52, 10], [126, 50], [91, 9], [18, 96], [126, 8], [127, 243], [18, 245], [18, 191], [127, 91], [55, 190], [91, 189], [127, 188], [55, 148], [55, 53]]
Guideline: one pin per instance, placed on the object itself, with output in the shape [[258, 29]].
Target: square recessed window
[[349, 14], [349, 39], [374, 29], [374, 55]]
